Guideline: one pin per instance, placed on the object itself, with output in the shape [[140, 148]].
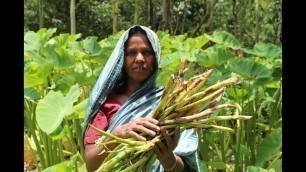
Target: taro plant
[[60, 70]]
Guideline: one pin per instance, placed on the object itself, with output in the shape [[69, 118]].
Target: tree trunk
[[234, 11], [151, 16], [257, 21], [146, 12], [206, 17], [115, 17], [40, 11], [241, 20], [165, 21], [72, 17], [136, 16]]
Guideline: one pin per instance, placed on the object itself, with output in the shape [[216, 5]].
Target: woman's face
[[139, 58]]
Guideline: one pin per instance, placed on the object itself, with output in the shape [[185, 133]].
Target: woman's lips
[[139, 69]]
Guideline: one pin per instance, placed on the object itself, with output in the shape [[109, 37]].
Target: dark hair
[[121, 83]]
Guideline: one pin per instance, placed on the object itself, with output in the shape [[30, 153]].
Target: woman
[[123, 98]]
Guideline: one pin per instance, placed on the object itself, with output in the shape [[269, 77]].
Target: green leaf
[[61, 167], [31, 41], [78, 111], [72, 162], [213, 56], [45, 35], [277, 165], [243, 150], [59, 132], [217, 165], [31, 93], [250, 69], [265, 50], [37, 76], [65, 83], [271, 143], [172, 59], [59, 56], [196, 43], [258, 169], [53, 107], [91, 45], [204, 166], [224, 38]]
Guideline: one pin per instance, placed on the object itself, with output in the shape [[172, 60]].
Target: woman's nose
[[139, 58]]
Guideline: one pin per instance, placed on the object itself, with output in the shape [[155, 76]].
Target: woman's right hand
[[145, 125]]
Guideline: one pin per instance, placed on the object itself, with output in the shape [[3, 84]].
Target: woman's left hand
[[164, 150]]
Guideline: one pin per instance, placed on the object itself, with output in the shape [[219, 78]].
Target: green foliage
[[270, 144], [224, 38], [52, 109], [60, 70]]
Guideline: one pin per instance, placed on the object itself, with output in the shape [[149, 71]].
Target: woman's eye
[[147, 53], [130, 53]]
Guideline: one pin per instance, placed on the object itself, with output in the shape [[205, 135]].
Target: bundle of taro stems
[[184, 104]]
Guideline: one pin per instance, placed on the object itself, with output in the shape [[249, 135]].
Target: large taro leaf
[[59, 56], [254, 73], [250, 69], [53, 107], [91, 45], [94, 52], [64, 40], [213, 56], [38, 76], [78, 111], [265, 50], [224, 38], [45, 34], [35, 41], [31, 41], [196, 43], [31, 93], [171, 61], [271, 143]]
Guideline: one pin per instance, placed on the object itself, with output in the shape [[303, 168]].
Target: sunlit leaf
[[37, 77], [224, 38], [53, 107], [213, 56], [265, 50]]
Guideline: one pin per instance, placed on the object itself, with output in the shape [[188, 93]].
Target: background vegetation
[[66, 44]]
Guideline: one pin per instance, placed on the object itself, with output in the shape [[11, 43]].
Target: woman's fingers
[[167, 138], [137, 136], [149, 124], [176, 136], [161, 146]]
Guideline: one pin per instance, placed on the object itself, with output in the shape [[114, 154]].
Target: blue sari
[[140, 104]]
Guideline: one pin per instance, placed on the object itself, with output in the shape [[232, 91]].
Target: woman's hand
[[146, 125], [164, 150]]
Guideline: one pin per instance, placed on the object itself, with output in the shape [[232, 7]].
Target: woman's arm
[[92, 158], [132, 129]]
